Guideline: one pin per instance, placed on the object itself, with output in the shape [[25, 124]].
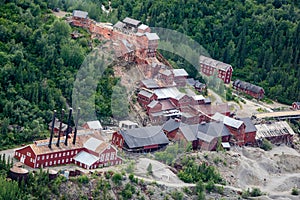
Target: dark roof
[[247, 86], [249, 125], [205, 131], [190, 81], [80, 14], [207, 100], [214, 63], [140, 137], [131, 21], [171, 125]]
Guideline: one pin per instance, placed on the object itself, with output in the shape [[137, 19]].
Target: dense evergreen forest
[[39, 60]]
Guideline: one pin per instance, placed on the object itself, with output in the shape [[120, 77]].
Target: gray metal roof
[[86, 158], [92, 144], [152, 104], [227, 120], [145, 93], [198, 97], [250, 127], [164, 93], [140, 137], [205, 131], [96, 125], [166, 72], [247, 86], [152, 36], [180, 72], [273, 130], [214, 63], [150, 83], [80, 14], [119, 25], [131, 21], [171, 125], [143, 27]]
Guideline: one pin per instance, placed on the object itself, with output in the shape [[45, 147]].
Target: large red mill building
[[84, 148]]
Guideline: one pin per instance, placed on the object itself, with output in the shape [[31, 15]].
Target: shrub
[[83, 179], [149, 169], [295, 191], [177, 195], [266, 145], [117, 178]]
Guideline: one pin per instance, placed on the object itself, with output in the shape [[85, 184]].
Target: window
[[38, 158], [76, 152], [28, 154], [63, 161], [47, 157], [54, 163], [43, 157], [51, 156], [50, 163], [64, 154], [46, 164], [72, 152], [37, 165], [102, 158], [107, 157], [55, 155], [68, 153], [67, 160], [112, 156], [58, 162], [59, 155]]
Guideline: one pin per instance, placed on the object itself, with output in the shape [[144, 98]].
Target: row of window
[[57, 155], [55, 162]]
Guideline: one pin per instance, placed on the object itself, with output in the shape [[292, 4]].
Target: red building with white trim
[[296, 105], [89, 152], [248, 88]]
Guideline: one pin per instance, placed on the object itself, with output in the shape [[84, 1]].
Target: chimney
[[60, 126], [76, 126], [52, 129], [68, 128]]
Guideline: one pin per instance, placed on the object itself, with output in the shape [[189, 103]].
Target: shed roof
[[80, 14], [214, 63], [274, 129], [86, 158], [145, 136], [119, 25], [131, 21], [96, 125], [150, 83], [180, 72], [152, 36], [145, 93]]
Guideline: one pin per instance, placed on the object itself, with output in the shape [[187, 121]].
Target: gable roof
[[80, 14], [143, 27], [119, 25], [96, 125], [171, 125], [297, 103], [180, 72], [250, 127], [227, 120], [247, 86], [152, 104], [86, 158], [214, 63], [145, 93], [145, 136], [57, 124], [164, 93]]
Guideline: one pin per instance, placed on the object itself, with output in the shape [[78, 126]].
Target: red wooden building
[[248, 88], [250, 131], [296, 105], [211, 67], [80, 19], [145, 97], [89, 151]]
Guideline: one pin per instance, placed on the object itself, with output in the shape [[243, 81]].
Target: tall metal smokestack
[[76, 125], [60, 126], [69, 125], [52, 129]]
